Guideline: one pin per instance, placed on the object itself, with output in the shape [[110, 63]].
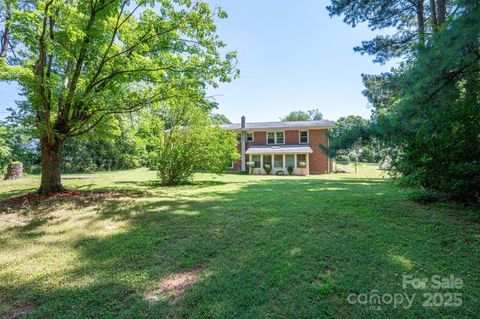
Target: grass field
[[231, 246]]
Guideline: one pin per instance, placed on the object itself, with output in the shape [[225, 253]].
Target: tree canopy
[[303, 116], [426, 110], [79, 63], [219, 119]]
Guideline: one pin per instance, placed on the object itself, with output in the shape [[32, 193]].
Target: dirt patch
[[18, 312], [34, 197], [172, 288], [327, 272], [24, 201]]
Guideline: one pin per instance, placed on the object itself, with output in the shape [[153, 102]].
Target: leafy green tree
[[303, 116], [81, 62], [352, 137], [191, 145], [5, 151], [219, 119]]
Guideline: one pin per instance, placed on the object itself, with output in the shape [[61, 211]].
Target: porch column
[[308, 164], [243, 141]]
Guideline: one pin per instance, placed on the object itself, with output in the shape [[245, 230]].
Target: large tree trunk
[[441, 11], [51, 159], [420, 22], [433, 13]]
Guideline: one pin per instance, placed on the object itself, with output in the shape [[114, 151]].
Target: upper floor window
[[275, 138], [249, 136], [303, 137]]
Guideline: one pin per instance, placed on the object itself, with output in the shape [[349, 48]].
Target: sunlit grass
[[230, 246]]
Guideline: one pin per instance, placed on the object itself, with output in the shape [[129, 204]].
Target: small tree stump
[[14, 171]]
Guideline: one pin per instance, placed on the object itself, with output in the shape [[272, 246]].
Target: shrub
[[267, 168], [183, 151], [342, 159], [290, 170], [251, 165]]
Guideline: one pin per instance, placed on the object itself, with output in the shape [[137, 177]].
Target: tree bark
[[420, 22], [433, 12], [441, 11], [6, 32], [51, 181]]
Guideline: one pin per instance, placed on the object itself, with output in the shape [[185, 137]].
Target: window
[[232, 165], [239, 137], [256, 160], [275, 138], [250, 137], [267, 160], [289, 160], [301, 158], [279, 137], [271, 138], [278, 161], [303, 137]]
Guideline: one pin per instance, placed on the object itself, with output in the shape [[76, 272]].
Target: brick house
[[283, 144]]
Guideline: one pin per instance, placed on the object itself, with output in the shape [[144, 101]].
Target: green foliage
[[435, 122], [219, 119], [90, 155], [353, 137], [5, 151], [426, 110], [343, 159], [290, 170], [191, 145], [252, 241], [303, 116], [267, 168], [80, 64]]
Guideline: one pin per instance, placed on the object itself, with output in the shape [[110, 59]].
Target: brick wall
[[318, 159], [291, 137]]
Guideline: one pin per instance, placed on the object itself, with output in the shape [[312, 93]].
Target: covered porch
[[280, 158]]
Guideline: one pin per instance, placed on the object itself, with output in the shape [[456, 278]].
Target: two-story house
[[283, 144]]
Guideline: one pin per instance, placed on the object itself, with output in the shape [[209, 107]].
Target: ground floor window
[[232, 165], [256, 159], [267, 160], [278, 161], [301, 158], [289, 160]]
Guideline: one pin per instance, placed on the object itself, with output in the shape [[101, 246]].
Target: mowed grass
[[231, 246]]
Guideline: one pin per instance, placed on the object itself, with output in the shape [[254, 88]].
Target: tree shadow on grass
[[157, 183], [276, 248]]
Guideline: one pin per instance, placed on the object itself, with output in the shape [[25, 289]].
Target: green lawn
[[230, 246]]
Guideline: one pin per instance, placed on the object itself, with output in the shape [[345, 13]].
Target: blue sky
[[292, 56]]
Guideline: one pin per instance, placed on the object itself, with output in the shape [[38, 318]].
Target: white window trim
[[283, 161], [296, 160], [275, 137], [232, 165], [253, 137], [299, 137]]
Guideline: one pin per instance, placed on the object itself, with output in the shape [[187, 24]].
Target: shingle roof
[[279, 149], [280, 125]]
